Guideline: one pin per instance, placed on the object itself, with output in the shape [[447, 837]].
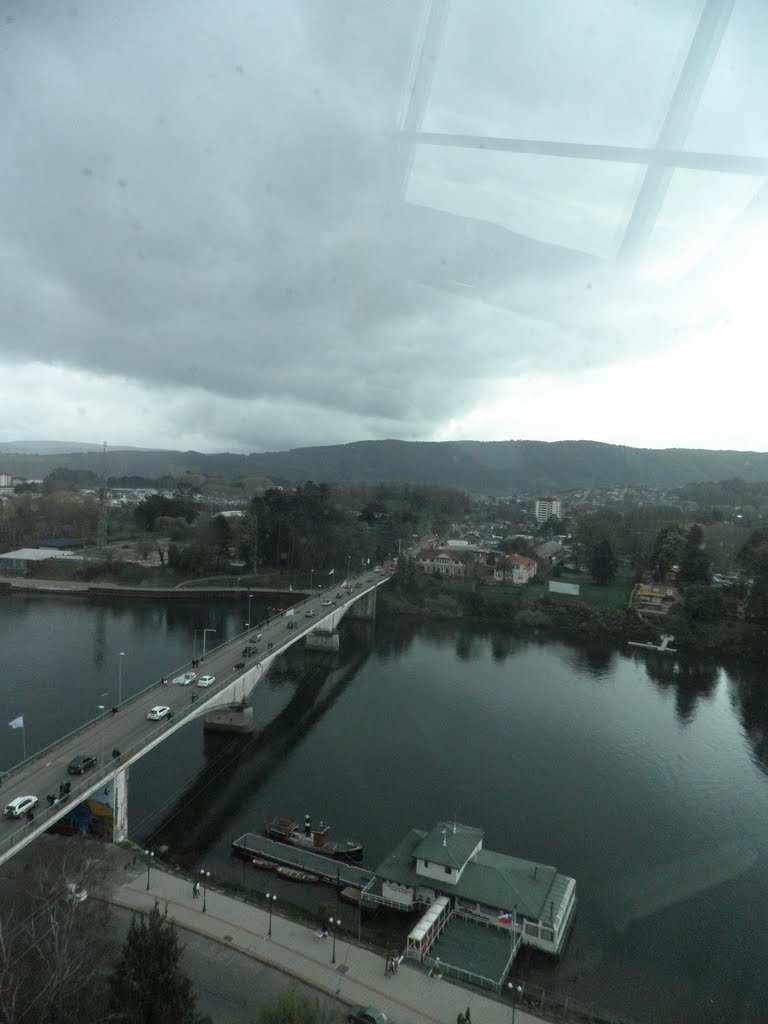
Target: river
[[642, 776]]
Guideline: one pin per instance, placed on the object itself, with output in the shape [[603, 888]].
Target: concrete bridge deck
[[129, 730]]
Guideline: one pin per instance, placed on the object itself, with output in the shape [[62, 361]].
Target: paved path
[[410, 997]]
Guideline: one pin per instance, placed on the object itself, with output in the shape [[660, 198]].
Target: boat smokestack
[[307, 825]]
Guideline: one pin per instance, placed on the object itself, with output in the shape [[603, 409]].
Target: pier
[[339, 873]]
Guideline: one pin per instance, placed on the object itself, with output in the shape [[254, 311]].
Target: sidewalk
[[409, 997]]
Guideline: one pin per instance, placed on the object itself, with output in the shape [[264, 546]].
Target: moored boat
[[263, 865], [286, 830], [293, 875]]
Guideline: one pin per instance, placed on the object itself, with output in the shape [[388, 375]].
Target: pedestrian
[[467, 1017], [196, 890], [395, 962], [460, 1018], [194, 698]]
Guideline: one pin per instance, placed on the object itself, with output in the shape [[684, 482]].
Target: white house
[[516, 568]]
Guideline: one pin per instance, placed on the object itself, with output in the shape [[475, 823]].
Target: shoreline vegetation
[[599, 612]]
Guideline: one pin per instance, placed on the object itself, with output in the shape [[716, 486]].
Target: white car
[[327, 604], [185, 679], [19, 806], [158, 712], [206, 680], [75, 894]]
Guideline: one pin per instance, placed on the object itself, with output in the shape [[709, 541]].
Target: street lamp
[[204, 633], [271, 897], [349, 559], [248, 623], [311, 574], [120, 678], [102, 707], [517, 991], [150, 854], [334, 923], [205, 875]]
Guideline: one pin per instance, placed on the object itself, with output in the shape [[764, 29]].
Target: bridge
[[225, 706]]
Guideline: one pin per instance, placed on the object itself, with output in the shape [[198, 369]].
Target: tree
[[54, 950], [694, 563], [667, 550], [602, 562], [148, 985]]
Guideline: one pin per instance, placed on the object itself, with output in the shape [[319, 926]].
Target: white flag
[[17, 723], [331, 572]]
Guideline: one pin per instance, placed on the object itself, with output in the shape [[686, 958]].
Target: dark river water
[[642, 777]]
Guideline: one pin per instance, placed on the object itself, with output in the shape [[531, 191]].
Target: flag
[[331, 572], [17, 723], [505, 918]]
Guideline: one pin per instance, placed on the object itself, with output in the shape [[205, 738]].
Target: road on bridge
[[129, 731]]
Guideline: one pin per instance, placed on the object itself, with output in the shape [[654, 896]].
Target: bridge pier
[[237, 718], [120, 805], [364, 607], [319, 640]]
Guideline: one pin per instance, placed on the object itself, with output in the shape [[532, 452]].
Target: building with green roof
[[533, 901]]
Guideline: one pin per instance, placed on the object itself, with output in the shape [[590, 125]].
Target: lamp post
[[102, 707], [271, 897], [205, 875], [349, 559], [204, 636], [334, 923], [516, 991], [150, 854], [248, 623], [120, 678], [311, 574]]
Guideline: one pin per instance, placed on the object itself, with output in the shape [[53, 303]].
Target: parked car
[[159, 711], [185, 679], [206, 680], [81, 764], [366, 1015], [76, 894], [20, 806]]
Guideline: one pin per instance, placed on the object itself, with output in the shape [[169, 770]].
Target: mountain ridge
[[493, 467]]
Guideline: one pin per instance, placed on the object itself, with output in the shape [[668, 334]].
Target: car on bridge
[[158, 712], [309, 613], [20, 806], [206, 680], [327, 603], [81, 764], [184, 679]]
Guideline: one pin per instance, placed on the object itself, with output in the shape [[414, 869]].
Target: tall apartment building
[[546, 507]]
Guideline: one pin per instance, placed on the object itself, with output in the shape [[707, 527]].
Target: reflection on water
[[633, 773]]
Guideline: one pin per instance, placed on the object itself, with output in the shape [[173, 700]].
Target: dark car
[[250, 650], [80, 764], [366, 1015]]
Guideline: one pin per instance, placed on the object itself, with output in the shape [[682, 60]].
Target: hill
[[494, 467]]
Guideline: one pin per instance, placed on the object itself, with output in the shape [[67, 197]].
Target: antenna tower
[[102, 523]]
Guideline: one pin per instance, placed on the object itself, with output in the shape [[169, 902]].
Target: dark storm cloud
[[205, 200]]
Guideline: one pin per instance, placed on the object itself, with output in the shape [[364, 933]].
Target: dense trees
[[694, 563], [602, 562]]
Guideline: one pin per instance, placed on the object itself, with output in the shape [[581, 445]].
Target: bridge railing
[[127, 753]]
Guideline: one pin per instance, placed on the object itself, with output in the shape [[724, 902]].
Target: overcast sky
[[213, 237]]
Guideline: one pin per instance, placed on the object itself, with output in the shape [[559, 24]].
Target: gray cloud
[[205, 202]]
